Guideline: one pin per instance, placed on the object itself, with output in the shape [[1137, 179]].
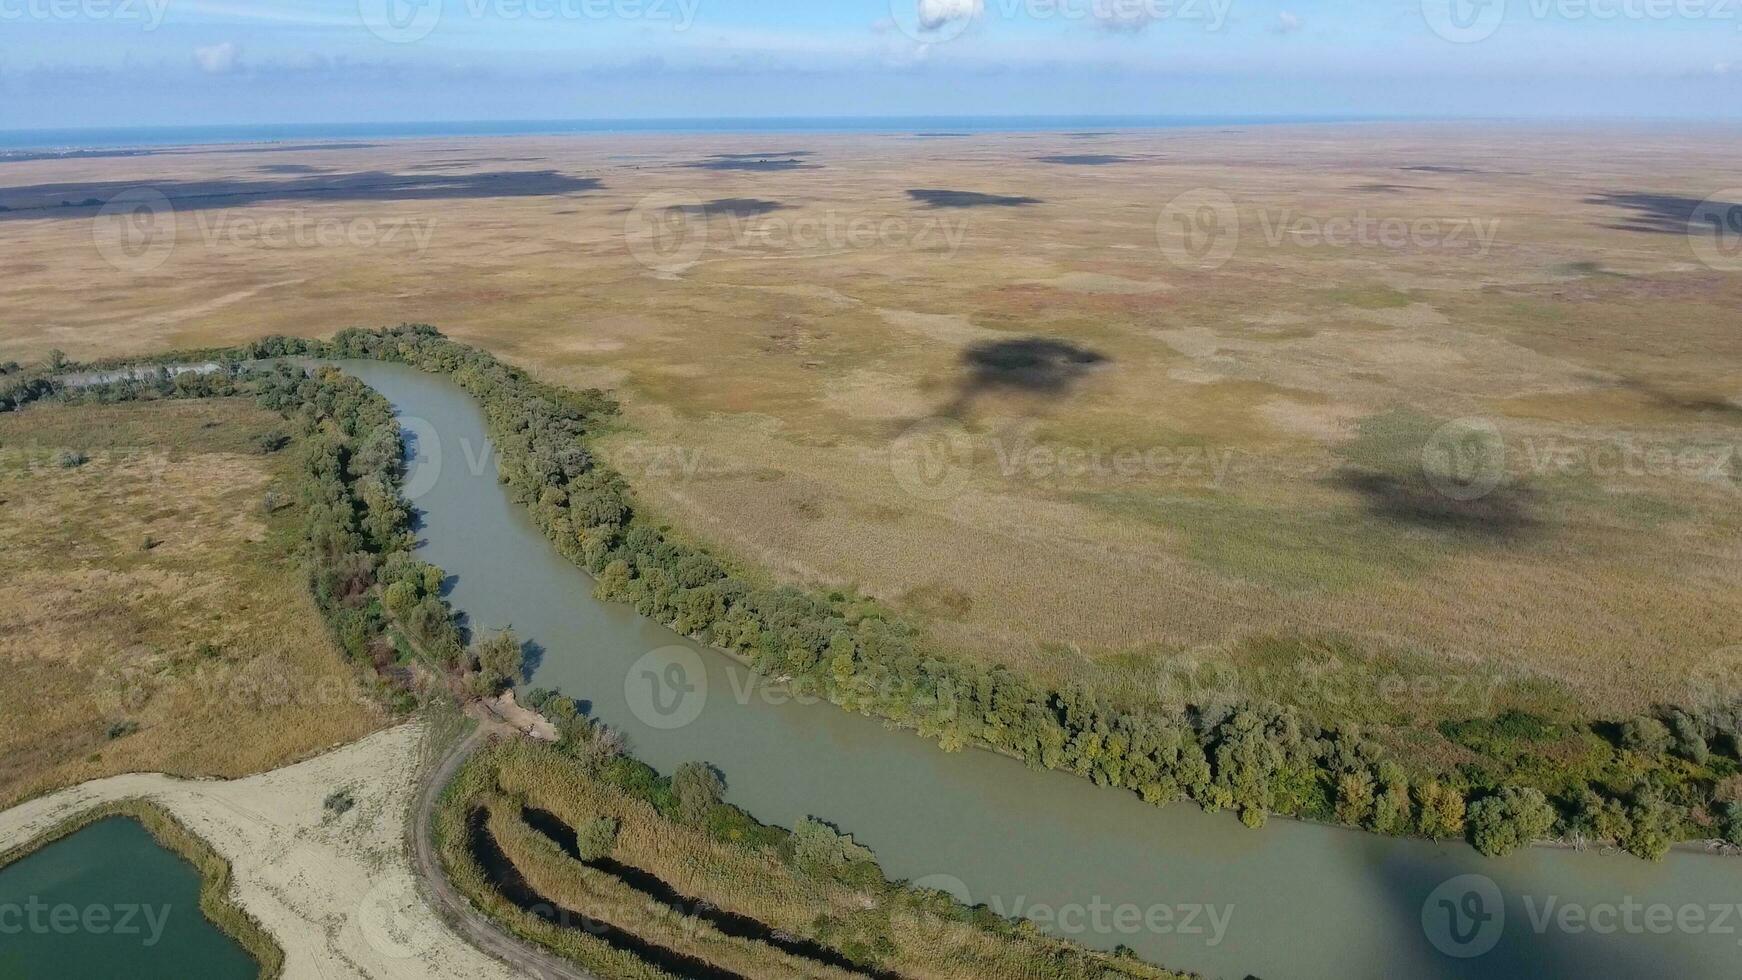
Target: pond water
[[110, 901], [1181, 887]]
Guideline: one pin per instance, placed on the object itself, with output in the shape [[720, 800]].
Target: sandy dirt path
[[337, 892]]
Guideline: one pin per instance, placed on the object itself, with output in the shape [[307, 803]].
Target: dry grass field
[[152, 616], [1165, 465]]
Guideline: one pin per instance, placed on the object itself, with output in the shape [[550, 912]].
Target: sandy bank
[[336, 892]]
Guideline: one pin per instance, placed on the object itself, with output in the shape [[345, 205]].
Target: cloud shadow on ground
[[737, 207], [1504, 514], [755, 162], [1041, 366], [1660, 214], [940, 198], [1087, 159], [51, 200]]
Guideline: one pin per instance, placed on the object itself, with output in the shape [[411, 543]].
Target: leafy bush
[[698, 787], [1510, 819], [1645, 735], [596, 837], [817, 848]]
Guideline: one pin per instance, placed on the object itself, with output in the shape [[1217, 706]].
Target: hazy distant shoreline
[[105, 140]]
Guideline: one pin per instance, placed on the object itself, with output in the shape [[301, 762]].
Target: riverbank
[[335, 890], [629, 873]]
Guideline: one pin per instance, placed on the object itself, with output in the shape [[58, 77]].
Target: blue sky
[[169, 62]]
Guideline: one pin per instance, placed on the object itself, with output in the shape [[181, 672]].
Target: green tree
[[1441, 810], [697, 787], [596, 838], [501, 661], [1645, 735], [1510, 819]]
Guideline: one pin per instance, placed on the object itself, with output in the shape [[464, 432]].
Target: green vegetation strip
[[1642, 784], [603, 845], [215, 875]]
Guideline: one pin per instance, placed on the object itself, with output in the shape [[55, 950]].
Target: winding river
[[1180, 887]]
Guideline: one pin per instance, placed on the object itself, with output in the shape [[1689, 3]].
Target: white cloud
[[934, 14], [218, 59], [1287, 23]]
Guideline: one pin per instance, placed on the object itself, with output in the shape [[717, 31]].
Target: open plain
[[154, 616], [1403, 424]]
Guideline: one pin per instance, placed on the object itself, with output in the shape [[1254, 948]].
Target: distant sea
[[146, 136]]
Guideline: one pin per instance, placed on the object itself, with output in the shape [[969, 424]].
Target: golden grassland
[[153, 615], [215, 873], [1285, 543], [905, 932]]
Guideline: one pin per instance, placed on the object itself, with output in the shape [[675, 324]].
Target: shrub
[[339, 802], [1645, 735], [818, 848], [1509, 819], [501, 661], [268, 443], [1354, 798], [1690, 739], [122, 729], [1653, 823], [68, 459], [698, 787], [596, 837]]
